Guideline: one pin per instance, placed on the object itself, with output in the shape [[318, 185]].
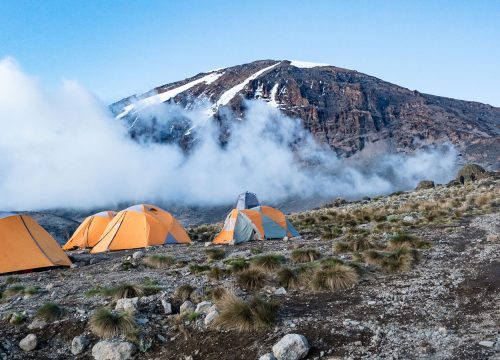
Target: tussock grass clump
[[106, 323], [354, 243], [333, 278], [401, 259], [218, 293], [215, 254], [237, 264], [331, 232], [237, 314], [9, 280], [13, 290], [50, 311], [159, 261], [124, 290], [268, 261], [217, 273], [288, 278], [305, 255], [251, 279], [183, 292], [407, 240], [198, 269], [17, 318]]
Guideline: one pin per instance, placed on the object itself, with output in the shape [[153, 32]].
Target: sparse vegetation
[[237, 264], [305, 255], [106, 323], [197, 269], [333, 278], [159, 261], [214, 254], [400, 259], [216, 273], [183, 292], [240, 315], [251, 279], [268, 261], [50, 311], [288, 278]]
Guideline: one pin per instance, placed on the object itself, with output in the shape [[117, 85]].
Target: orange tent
[[25, 245], [258, 223], [90, 230], [139, 226]]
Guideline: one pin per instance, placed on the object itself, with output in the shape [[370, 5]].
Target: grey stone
[[487, 343], [79, 344], [280, 291], [137, 255], [29, 342], [113, 350], [187, 306], [268, 356], [167, 307], [127, 304], [203, 307], [291, 347], [211, 316], [37, 324]]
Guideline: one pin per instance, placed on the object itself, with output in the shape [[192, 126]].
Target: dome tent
[[259, 223], [140, 226], [25, 245], [247, 200], [90, 231]]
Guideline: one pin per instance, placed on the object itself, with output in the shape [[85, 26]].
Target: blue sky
[[116, 48]]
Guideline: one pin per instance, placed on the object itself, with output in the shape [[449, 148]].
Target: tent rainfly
[[90, 231]]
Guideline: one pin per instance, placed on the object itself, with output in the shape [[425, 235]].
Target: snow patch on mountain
[[167, 95], [306, 64]]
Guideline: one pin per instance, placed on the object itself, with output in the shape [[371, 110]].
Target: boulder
[[409, 219], [203, 307], [280, 291], [291, 347], [79, 344], [113, 350], [211, 316], [29, 342], [470, 172], [127, 304], [187, 307], [425, 184], [268, 356]]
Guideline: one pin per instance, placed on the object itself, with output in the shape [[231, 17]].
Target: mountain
[[345, 109]]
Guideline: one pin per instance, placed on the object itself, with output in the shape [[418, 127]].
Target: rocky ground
[[440, 300]]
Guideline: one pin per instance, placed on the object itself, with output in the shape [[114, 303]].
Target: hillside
[[410, 275], [345, 109]]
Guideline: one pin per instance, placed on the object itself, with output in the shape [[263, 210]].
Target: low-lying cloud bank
[[64, 149]]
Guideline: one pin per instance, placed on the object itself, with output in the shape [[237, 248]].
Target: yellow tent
[[139, 226], [25, 245], [90, 231]]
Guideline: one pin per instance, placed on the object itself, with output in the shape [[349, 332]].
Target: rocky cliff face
[[343, 108]]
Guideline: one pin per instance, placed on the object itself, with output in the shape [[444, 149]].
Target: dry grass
[[124, 290], [214, 254], [268, 261], [333, 278], [237, 264], [398, 260], [50, 311], [237, 314], [288, 278], [305, 255], [407, 240], [183, 292], [106, 323], [218, 293], [198, 269], [251, 279], [216, 273], [159, 261]]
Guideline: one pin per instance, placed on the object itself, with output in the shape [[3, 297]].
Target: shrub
[[333, 278], [305, 255], [197, 269], [251, 279], [50, 311], [237, 314], [268, 261], [106, 323], [214, 254], [237, 264], [159, 261], [183, 292]]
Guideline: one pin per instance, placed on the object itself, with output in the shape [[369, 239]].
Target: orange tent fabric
[[90, 230], [25, 245], [139, 226]]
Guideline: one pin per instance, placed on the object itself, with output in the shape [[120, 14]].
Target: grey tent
[[247, 200]]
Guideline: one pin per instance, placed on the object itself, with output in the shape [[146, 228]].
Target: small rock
[[127, 304], [49, 287], [28, 343], [207, 243], [167, 307], [268, 356], [211, 316], [137, 255], [203, 307], [443, 331], [409, 219], [113, 350], [280, 291], [187, 306], [358, 343], [37, 324], [291, 347], [79, 344], [487, 343]]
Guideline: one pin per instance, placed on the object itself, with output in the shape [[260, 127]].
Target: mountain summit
[[345, 109]]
